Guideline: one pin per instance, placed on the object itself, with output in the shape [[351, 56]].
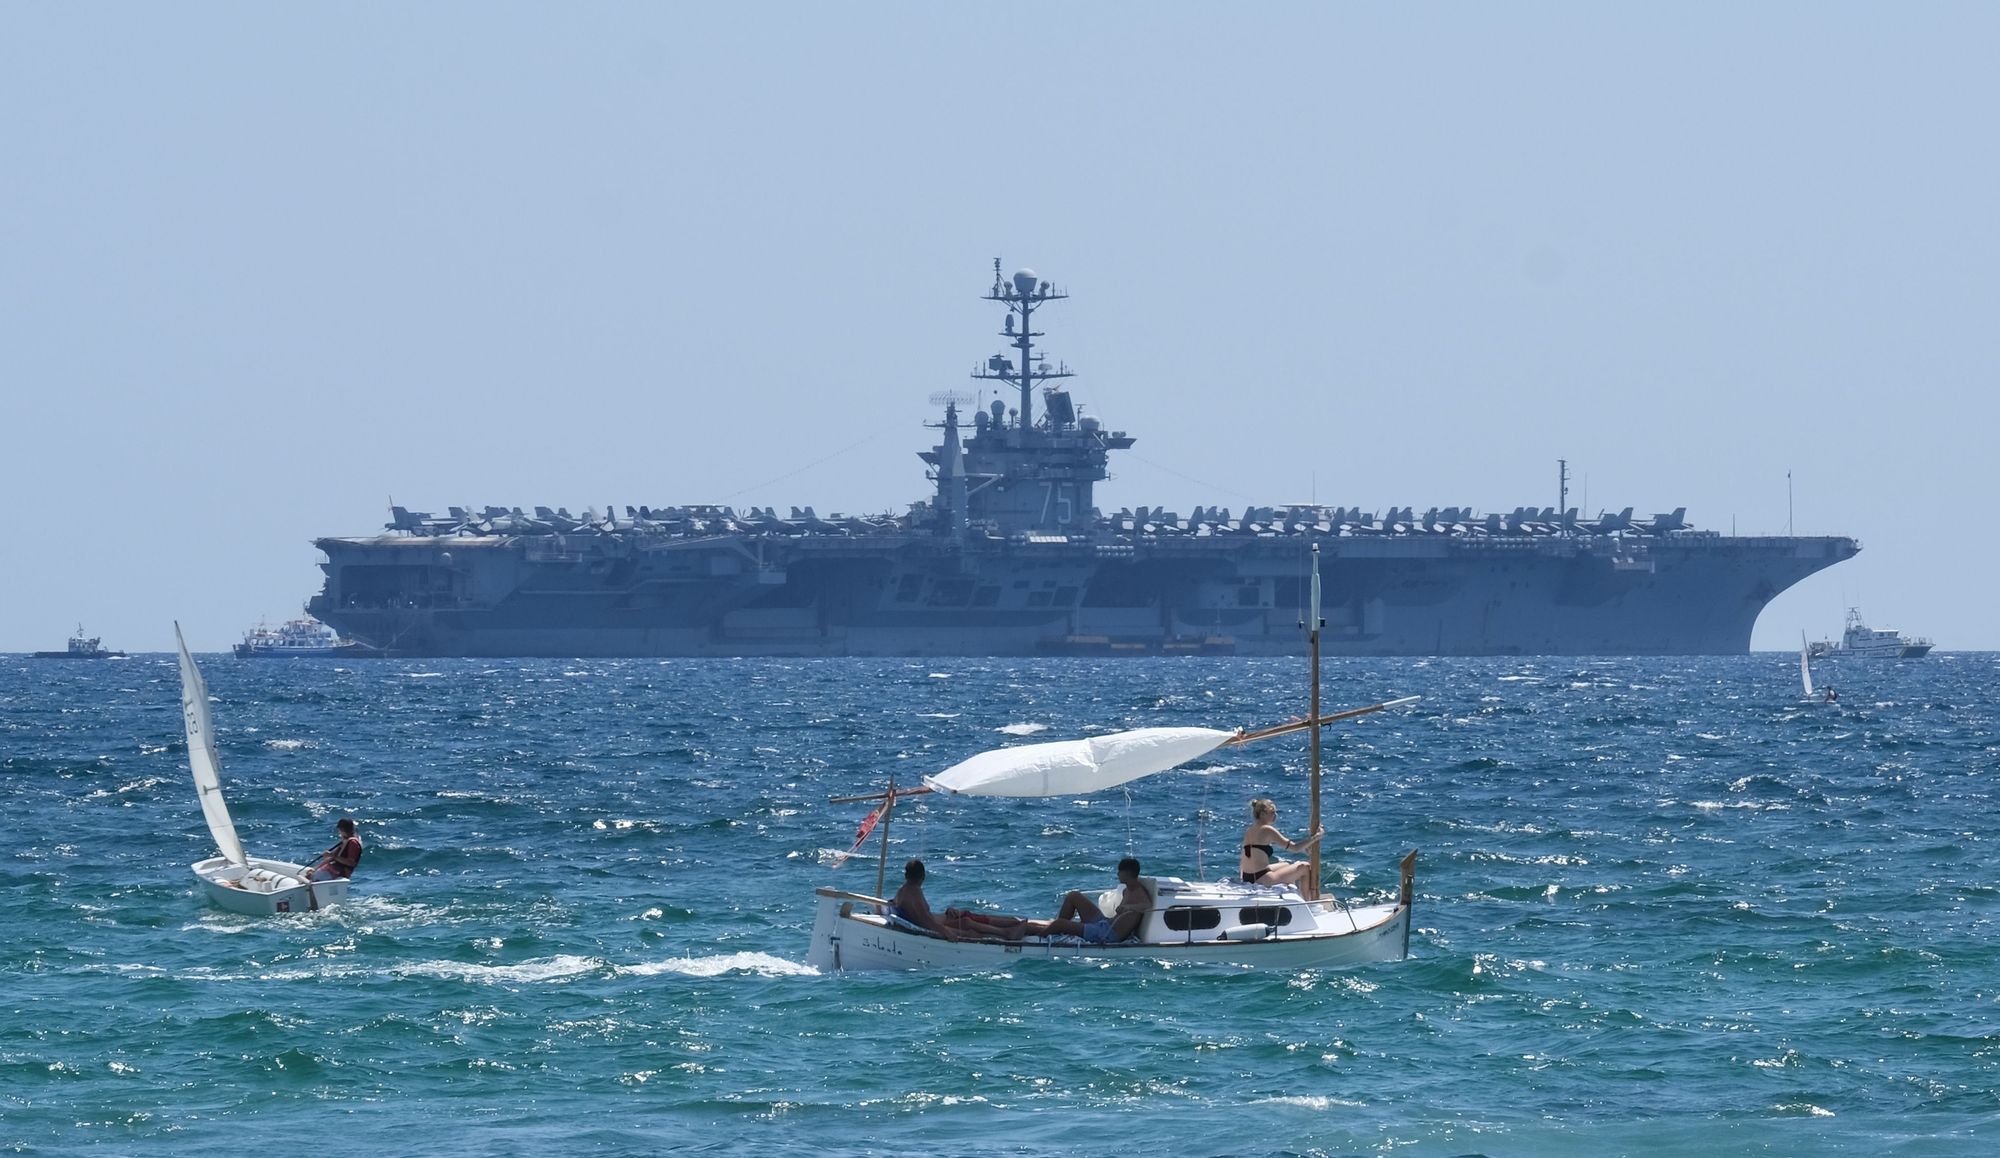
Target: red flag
[[861, 834]]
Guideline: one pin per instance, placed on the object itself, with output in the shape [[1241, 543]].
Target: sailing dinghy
[[235, 881], [1227, 922], [1805, 664]]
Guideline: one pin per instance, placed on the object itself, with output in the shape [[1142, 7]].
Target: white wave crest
[[1022, 729], [561, 967], [763, 964], [1309, 1102]]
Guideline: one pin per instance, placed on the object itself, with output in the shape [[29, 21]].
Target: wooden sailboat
[[234, 880], [1225, 922]]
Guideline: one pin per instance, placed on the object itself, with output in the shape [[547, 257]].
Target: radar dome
[[1024, 281]]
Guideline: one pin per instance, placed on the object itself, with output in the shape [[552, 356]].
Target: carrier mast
[[1021, 295]]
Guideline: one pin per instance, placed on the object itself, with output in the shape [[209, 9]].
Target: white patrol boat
[[1861, 641]]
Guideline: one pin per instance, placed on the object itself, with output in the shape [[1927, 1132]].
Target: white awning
[[1075, 767]]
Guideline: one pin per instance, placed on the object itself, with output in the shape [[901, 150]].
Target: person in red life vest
[[341, 859]]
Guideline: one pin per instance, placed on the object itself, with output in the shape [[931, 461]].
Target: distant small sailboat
[[1805, 664], [235, 881]]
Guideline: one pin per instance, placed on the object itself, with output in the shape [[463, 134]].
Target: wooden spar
[[908, 791], [1312, 822], [1290, 726], [888, 810]]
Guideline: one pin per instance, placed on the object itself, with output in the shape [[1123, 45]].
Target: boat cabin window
[[1268, 915], [1182, 918]]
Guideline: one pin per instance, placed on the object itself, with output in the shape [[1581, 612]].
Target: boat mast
[[882, 861], [1312, 637]]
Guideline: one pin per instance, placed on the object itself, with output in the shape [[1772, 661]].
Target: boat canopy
[[1076, 767]]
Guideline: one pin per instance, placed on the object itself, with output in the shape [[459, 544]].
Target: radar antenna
[[952, 401], [1022, 294]]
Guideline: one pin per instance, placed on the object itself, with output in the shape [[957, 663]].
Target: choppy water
[[1665, 907]]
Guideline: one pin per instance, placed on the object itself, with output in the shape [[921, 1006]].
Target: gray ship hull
[[1692, 594]]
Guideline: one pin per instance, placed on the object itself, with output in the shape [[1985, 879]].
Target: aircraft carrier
[[1010, 555]]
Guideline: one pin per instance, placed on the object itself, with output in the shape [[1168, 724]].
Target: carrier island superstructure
[[1010, 555]]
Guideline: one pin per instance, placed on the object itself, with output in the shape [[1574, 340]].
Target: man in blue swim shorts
[[1080, 916]]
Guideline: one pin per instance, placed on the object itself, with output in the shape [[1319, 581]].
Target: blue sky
[[264, 267]]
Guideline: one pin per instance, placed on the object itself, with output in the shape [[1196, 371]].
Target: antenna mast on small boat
[[1312, 637]]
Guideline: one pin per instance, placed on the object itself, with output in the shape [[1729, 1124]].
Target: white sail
[[202, 758], [1074, 767], [1805, 664]]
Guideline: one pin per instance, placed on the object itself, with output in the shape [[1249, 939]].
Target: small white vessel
[[1227, 922], [1805, 664], [297, 638], [1221, 923], [1861, 641], [235, 881]]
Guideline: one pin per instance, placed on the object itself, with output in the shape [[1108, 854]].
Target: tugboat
[[82, 646], [1865, 642], [297, 638]]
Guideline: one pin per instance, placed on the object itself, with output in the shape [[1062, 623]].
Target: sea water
[[1664, 906]]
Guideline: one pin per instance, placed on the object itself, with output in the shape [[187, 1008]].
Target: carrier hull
[[1695, 594]]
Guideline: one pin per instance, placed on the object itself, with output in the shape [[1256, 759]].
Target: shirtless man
[[909, 903], [1080, 916]]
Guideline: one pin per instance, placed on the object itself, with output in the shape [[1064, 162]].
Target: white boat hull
[[850, 934], [263, 888], [1860, 641]]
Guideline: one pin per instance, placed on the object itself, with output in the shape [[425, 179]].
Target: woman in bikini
[[1257, 864]]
